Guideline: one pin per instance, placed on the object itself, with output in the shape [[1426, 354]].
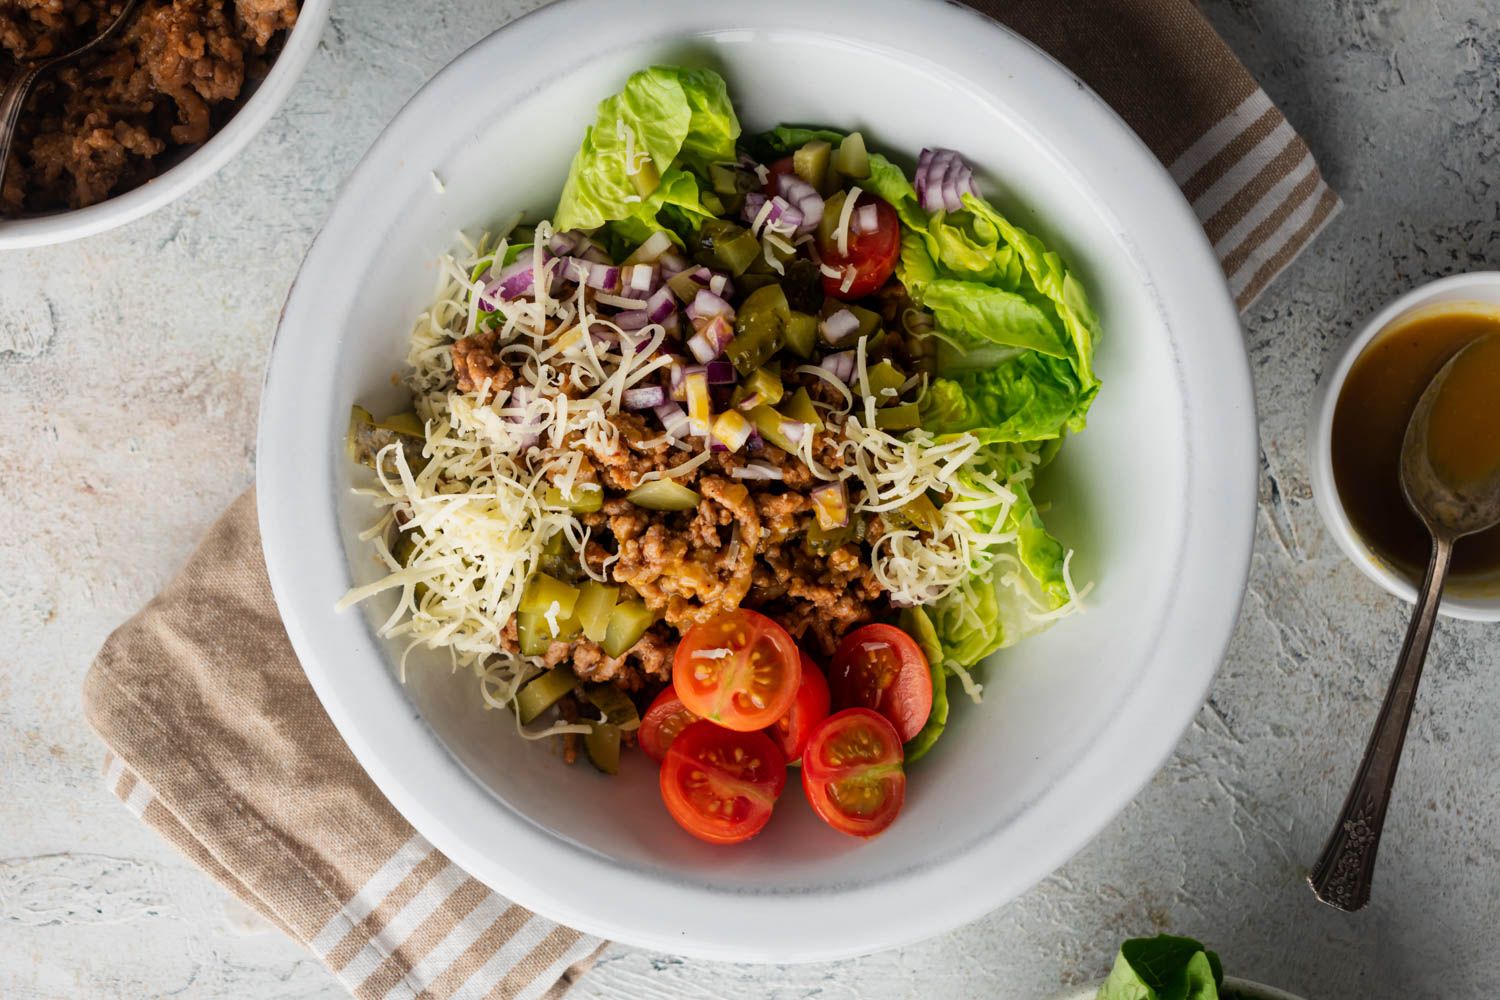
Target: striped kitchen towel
[[1249, 175], [217, 741]]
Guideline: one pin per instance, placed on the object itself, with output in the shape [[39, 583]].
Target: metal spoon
[[20, 85], [1346, 868]]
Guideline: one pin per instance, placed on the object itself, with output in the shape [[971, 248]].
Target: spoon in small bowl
[[1344, 871], [20, 85]]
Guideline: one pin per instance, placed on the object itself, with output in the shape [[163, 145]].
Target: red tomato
[[666, 718], [881, 667], [775, 170], [740, 670], [720, 785], [852, 772], [810, 708], [872, 254]]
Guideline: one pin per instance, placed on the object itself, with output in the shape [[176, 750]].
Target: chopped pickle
[[646, 177], [800, 408], [595, 602], [543, 591], [586, 499], [627, 623], [663, 494], [802, 283], [922, 513], [403, 550], [367, 437], [869, 321], [716, 204], [829, 224], [751, 281], [602, 744], [822, 541], [730, 179], [765, 383], [726, 246], [801, 334], [898, 418], [534, 634], [852, 159], [616, 705], [541, 693], [771, 426], [759, 329], [811, 162], [684, 286], [558, 558], [885, 376]]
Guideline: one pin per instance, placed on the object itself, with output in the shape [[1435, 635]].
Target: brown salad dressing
[[1369, 424]]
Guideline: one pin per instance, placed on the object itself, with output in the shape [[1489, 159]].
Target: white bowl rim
[[1454, 289], [195, 168], [412, 768]]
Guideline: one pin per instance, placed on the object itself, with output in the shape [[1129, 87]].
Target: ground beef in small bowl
[[101, 125]]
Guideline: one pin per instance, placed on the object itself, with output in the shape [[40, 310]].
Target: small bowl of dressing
[[1360, 420]]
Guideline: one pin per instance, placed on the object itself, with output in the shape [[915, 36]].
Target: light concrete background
[[130, 366]]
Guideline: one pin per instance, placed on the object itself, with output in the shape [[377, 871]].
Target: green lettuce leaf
[[681, 117], [1163, 968], [915, 623]]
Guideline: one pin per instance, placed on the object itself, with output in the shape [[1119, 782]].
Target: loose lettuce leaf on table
[[680, 118], [1163, 968]]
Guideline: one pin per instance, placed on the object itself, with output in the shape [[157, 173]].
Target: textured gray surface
[[129, 370]]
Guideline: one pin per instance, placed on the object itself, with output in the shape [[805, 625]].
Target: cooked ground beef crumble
[[97, 127]]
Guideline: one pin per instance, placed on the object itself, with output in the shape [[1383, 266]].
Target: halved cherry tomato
[[792, 730], [663, 721], [720, 785], [740, 670], [872, 254], [852, 772], [775, 170], [881, 667]]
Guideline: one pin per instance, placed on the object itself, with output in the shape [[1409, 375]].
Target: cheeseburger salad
[[731, 460]]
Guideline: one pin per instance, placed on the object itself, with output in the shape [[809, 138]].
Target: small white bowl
[[1481, 287], [196, 166]]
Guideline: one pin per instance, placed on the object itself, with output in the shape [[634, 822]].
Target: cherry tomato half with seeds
[[852, 772], [663, 721], [793, 729], [882, 668], [872, 253], [720, 785], [740, 670]]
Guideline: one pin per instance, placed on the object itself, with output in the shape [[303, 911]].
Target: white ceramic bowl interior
[[1476, 603], [1157, 496], [195, 167]]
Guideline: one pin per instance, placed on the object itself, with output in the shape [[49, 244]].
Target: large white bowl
[[190, 169], [1158, 495]]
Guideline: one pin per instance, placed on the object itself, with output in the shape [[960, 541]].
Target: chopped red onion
[[661, 304], [631, 319], [866, 219], [672, 263], [942, 179], [672, 324], [707, 305], [673, 419], [701, 348], [720, 286], [754, 202], [602, 276], [515, 280], [763, 471], [643, 397], [719, 373], [564, 244], [804, 197], [657, 244], [839, 326], [840, 365], [639, 280], [677, 378], [592, 252]]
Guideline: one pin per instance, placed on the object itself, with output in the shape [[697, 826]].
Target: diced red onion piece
[[804, 197], [701, 348], [631, 319], [719, 285], [673, 419], [672, 325], [602, 276], [840, 326], [514, 281], [661, 304], [641, 279], [643, 397], [754, 202], [719, 373], [840, 365], [866, 219], [707, 305], [763, 471], [794, 430], [672, 263], [563, 244], [657, 244]]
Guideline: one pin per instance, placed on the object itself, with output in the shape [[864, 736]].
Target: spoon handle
[[1344, 871]]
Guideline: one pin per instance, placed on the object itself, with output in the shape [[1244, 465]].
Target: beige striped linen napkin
[[216, 740]]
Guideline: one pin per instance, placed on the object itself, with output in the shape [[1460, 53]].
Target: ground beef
[[97, 126], [475, 361]]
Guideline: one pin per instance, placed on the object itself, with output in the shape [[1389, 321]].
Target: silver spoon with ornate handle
[[26, 76], [1344, 872]]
